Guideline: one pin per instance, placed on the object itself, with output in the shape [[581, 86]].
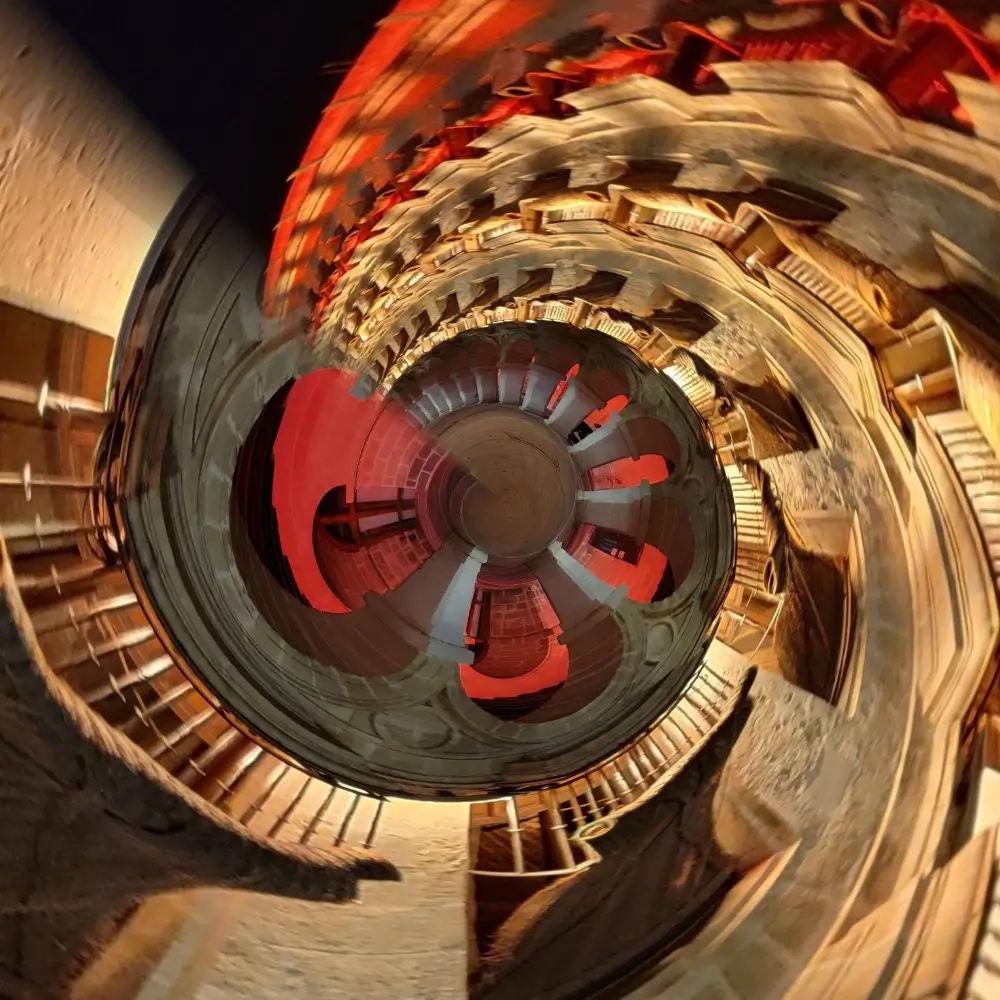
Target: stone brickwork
[[378, 568]]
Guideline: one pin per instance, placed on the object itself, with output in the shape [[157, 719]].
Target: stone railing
[[576, 814], [93, 629]]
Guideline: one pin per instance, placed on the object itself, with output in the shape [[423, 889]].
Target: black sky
[[235, 86]]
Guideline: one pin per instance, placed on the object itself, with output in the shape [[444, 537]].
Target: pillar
[[86, 183], [542, 383], [574, 404]]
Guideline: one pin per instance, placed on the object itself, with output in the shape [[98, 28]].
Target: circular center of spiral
[[515, 490]]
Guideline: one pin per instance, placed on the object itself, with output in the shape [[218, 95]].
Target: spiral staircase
[[576, 538]]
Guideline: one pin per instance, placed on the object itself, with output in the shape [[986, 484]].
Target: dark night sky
[[236, 88]]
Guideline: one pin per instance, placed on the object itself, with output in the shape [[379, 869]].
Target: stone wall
[[84, 184]]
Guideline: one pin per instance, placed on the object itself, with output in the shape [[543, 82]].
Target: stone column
[[511, 383], [575, 593], [446, 396], [486, 382], [430, 609], [606, 444], [624, 510], [542, 383], [86, 183], [574, 404], [467, 387]]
